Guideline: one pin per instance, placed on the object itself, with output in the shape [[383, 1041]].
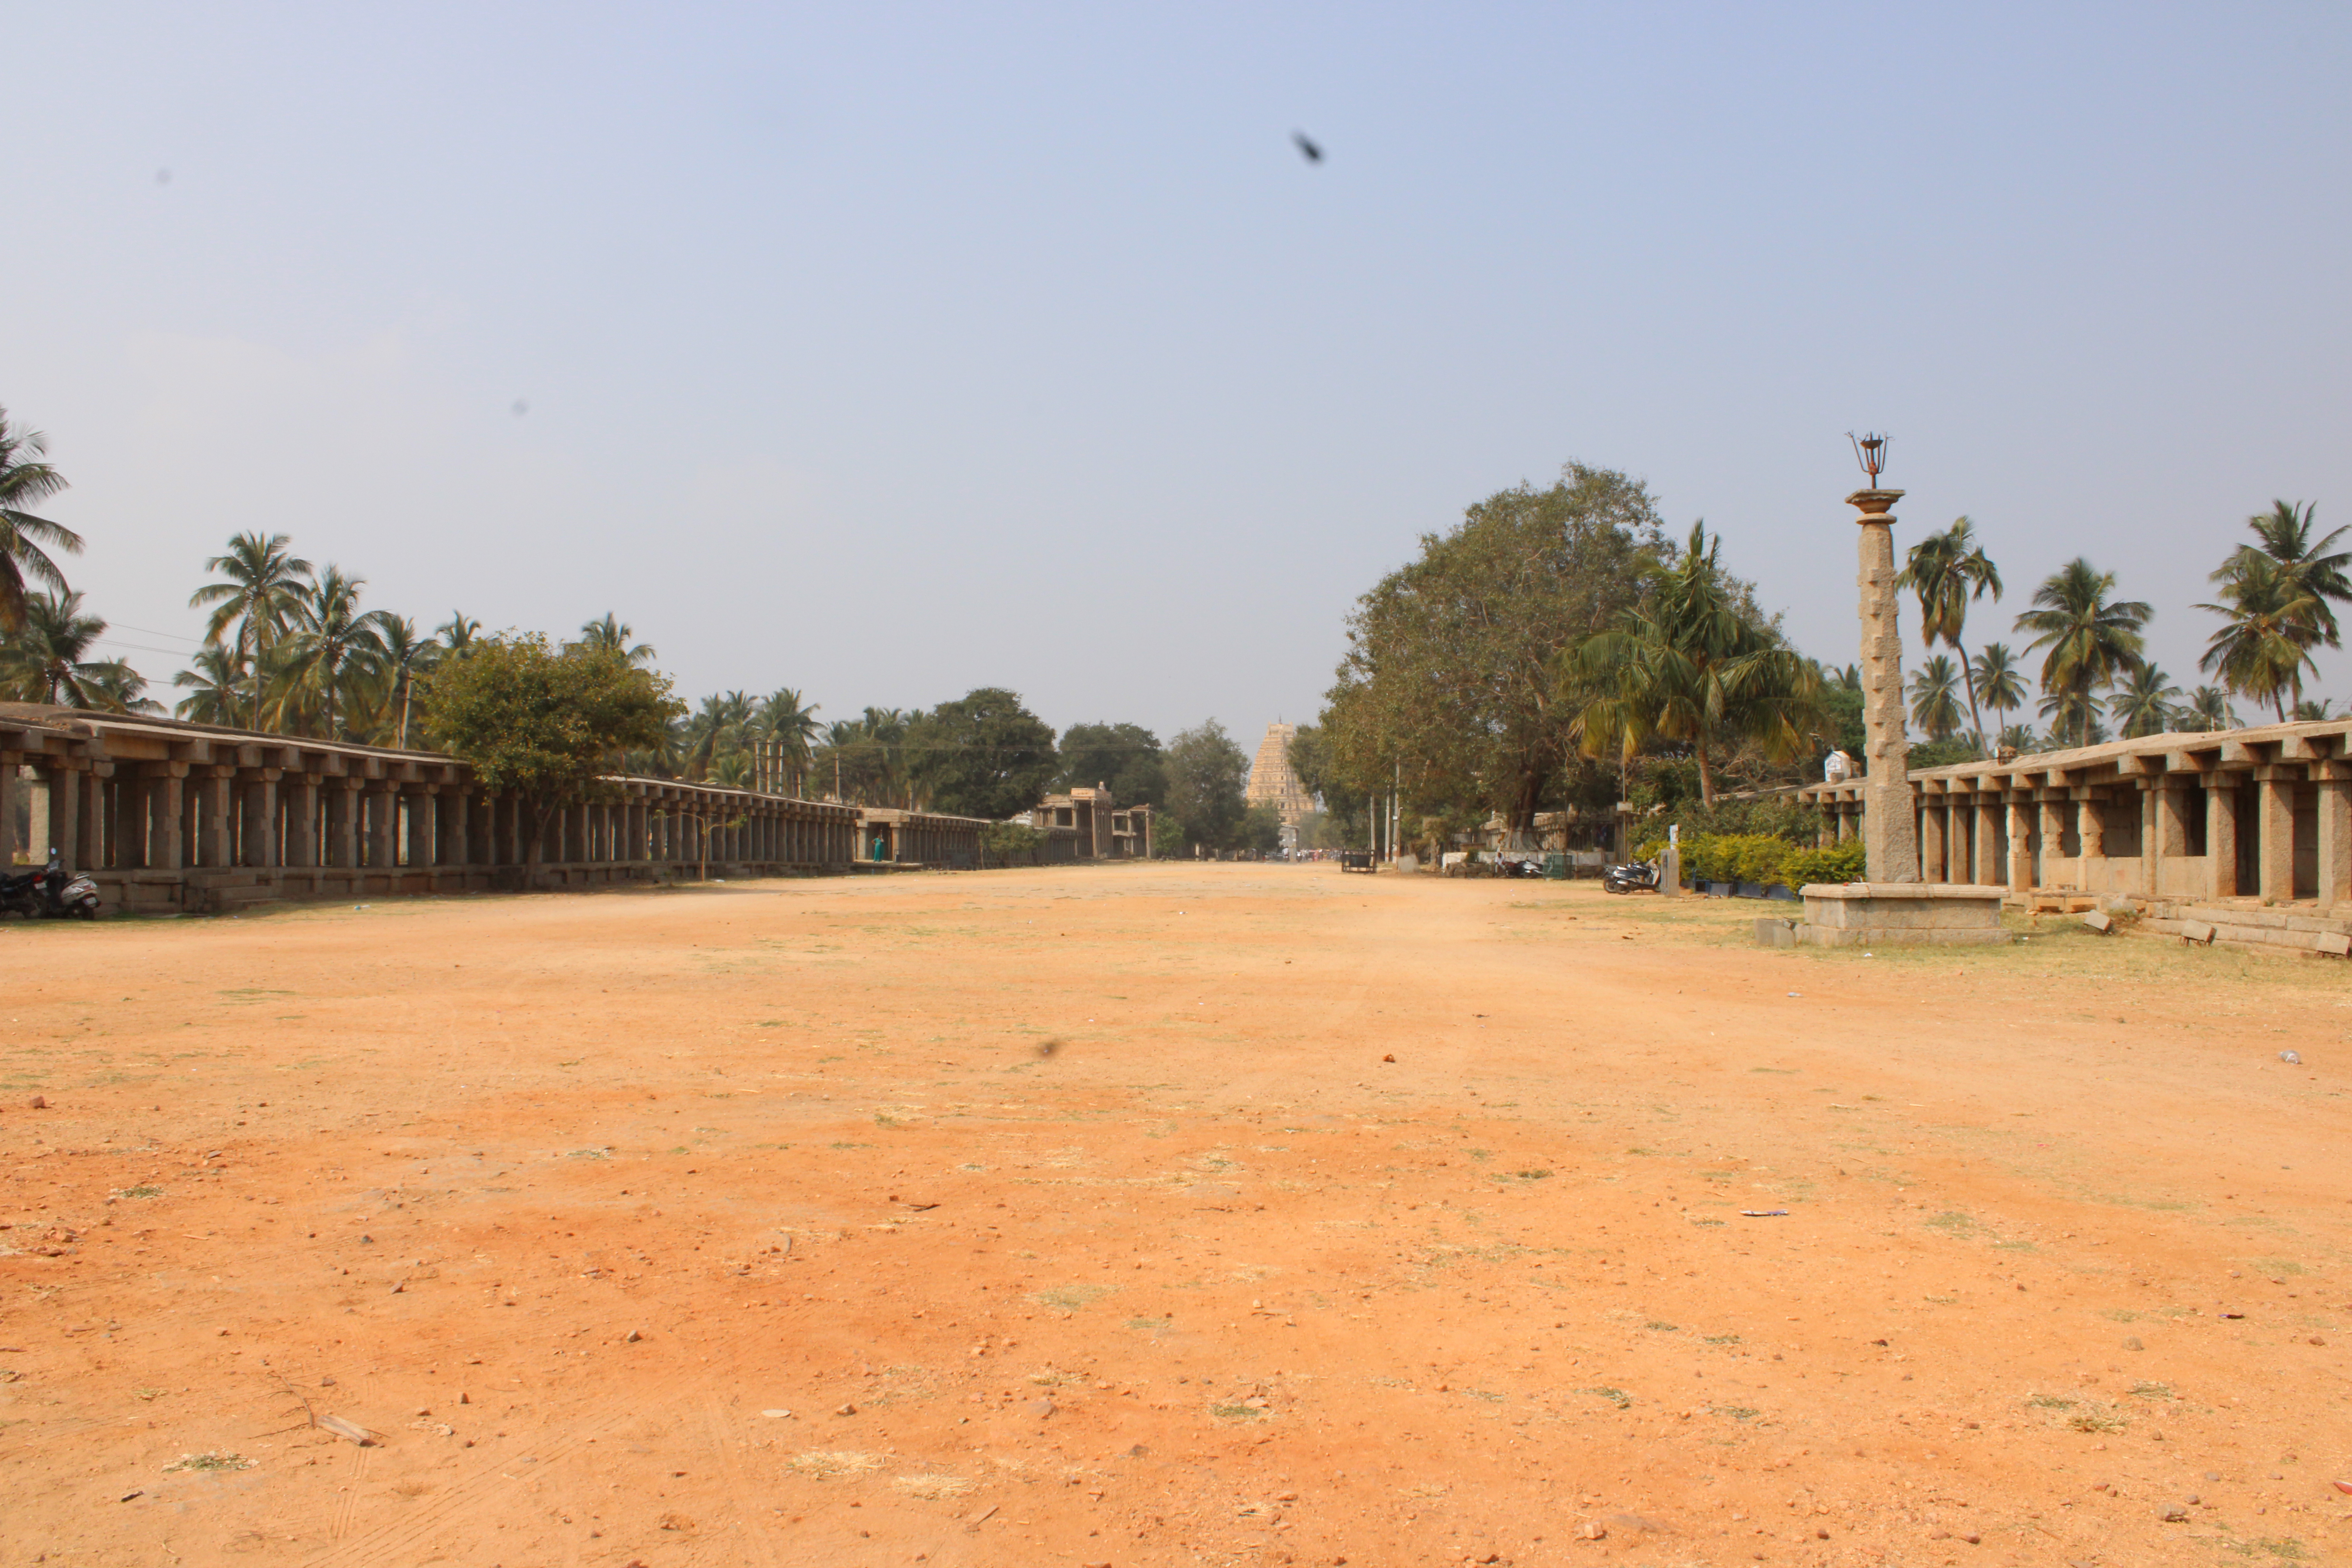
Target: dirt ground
[[1161, 1215]]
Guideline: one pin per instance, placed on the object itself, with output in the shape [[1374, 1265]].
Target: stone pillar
[[1845, 822], [9, 763], [1888, 832], [212, 840], [258, 830], [343, 823], [1985, 870], [2222, 834], [2091, 829], [90, 843], [2335, 780], [382, 824], [420, 846], [1931, 845], [131, 809], [2021, 842], [2277, 842], [65, 799], [165, 849], [301, 794], [2152, 825], [2054, 837]]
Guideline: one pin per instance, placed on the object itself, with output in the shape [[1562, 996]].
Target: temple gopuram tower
[[1272, 779]]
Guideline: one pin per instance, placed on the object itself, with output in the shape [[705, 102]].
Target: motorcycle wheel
[[1611, 886], [86, 912]]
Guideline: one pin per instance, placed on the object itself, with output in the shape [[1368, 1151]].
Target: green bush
[[1838, 863]]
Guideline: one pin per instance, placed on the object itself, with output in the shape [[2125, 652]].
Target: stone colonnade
[[2264, 813], [173, 816], [919, 839]]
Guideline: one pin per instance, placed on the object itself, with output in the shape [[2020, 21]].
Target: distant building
[[1273, 782], [1088, 825]]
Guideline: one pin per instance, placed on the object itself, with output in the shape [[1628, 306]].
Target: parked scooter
[[1640, 876], [52, 891]]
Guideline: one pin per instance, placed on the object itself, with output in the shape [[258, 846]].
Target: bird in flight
[[1313, 153]]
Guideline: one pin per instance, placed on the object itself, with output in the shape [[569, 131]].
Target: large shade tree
[[1451, 678], [1208, 776], [547, 724], [2091, 639], [27, 479], [1124, 757], [983, 754]]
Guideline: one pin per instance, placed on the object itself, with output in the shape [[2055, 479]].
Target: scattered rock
[[1041, 1408], [1594, 1530], [2176, 1514], [847, 1410], [40, 1103], [2098, 923], [2292, 1059], [2131, 1343], [1390, 1058], [631, 1337]]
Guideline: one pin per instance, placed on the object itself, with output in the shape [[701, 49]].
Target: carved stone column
[[1889, 834], [2222, 834]]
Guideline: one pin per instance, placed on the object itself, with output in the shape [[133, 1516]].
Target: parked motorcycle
[[1640, 876], [52, 891], [21, 894]]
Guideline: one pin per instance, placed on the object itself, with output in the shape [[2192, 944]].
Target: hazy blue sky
[[890, 350]]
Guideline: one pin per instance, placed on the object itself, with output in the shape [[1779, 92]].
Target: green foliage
[[1207, 775], [2091, 639], [1695, 665], [983, 756], [1449, 669], [1943, 754], [1260, 829], [1124, 757], [1761, 857], [1844, 862], [544, 723], [1011, 844], [25, 481]]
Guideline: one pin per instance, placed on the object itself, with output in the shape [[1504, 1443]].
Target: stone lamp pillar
[[1890, 831]]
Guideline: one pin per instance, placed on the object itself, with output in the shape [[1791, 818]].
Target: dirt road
[[1150, 1215]]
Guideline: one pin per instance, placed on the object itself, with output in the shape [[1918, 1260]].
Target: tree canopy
[[983, 756], [1450, 676], [1207, 780], [1126, 757], [545, 723]]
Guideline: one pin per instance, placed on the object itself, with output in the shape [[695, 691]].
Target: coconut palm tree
[[2142, 703], [407, 658], [2271, 617], [1690, 667], [2313, 567], [2018, 738], [1935, 697], [211, 682], [2073, 717], [610, 633], [457, 633], [49, 660], [1999, 685], [335, 653], [1947, 570], [2091, 639], [261, 591], [788, 720], [2312, 709], [25, 481], [2207, 709]]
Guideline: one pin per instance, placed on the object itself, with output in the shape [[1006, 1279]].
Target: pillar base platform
[[1890, 914]]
